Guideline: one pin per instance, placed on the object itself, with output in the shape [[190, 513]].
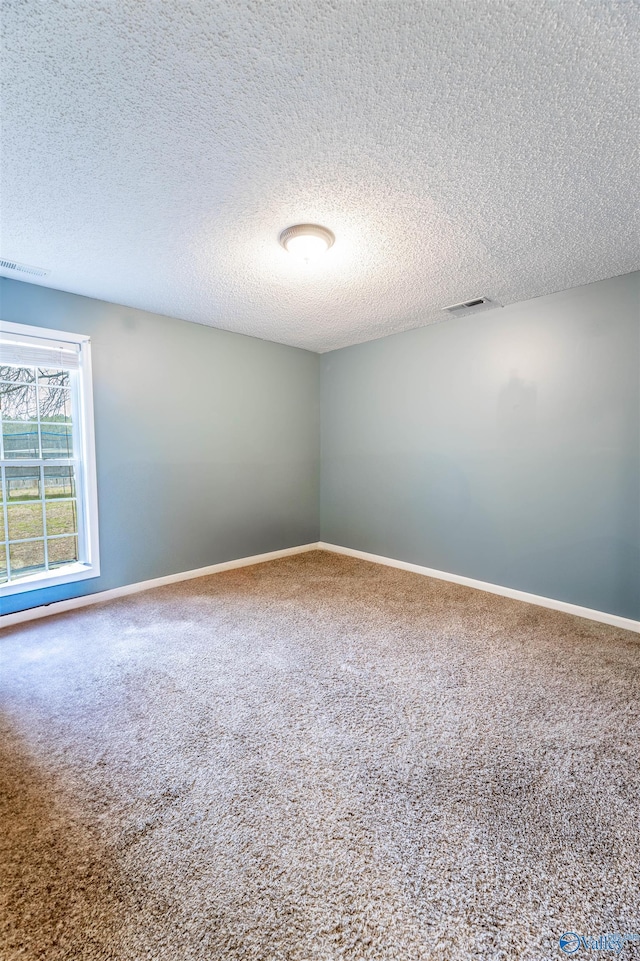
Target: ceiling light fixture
[[307, 241]]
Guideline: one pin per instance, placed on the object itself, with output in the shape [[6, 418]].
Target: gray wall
[[207, 441], [504, 447]]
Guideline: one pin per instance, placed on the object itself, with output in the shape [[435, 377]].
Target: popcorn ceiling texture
[[317, 759], [153, 151]]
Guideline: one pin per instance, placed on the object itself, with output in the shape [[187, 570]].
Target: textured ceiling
[[153, 151]]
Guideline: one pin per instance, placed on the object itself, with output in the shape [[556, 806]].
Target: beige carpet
[[316, 759]]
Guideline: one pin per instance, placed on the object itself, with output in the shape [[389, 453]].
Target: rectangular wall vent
[[474, 306], [18, 268]]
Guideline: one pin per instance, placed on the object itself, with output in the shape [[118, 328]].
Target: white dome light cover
[[307, 241]]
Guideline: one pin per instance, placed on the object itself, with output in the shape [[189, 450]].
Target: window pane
[[23, 483], [25, 520], [20, 440], [3, 563], [59, 482], [59, 378], [62, 517], [56, 440], [20, 374], [26, 558], [18, 402], [55, 404], [62, 550]]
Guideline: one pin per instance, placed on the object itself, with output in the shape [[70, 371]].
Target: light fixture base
[[315, 232]]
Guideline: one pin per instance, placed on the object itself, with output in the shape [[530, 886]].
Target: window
[[48, 502]]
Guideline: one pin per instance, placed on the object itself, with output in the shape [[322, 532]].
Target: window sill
[[64, 575]]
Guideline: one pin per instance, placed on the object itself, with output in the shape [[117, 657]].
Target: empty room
[[320, 480]]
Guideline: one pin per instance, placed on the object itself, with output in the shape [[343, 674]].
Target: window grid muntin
[[28, 572], [44, 513], [65, 500], [52, 537]]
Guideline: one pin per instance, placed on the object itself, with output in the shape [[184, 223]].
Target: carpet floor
[[316, 759]]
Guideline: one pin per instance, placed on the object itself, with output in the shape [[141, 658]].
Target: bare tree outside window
[[16, 391]]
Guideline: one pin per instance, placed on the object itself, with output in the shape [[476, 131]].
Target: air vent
[[17, 268], [475, 306]]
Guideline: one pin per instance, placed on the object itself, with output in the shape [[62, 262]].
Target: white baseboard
[[59, 607], [625, 622]]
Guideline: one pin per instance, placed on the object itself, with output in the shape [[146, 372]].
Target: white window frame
[[84, 462]]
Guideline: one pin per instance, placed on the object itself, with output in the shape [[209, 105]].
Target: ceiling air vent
[[475, 306], [17, 268]]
